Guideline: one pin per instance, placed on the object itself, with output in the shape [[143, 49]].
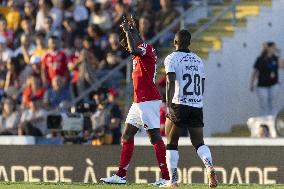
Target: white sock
[[172, 162], [205, 155]]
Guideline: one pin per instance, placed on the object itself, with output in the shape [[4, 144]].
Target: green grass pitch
[[132, 186]]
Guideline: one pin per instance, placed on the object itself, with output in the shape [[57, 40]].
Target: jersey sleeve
[[257, 64], [169, 65]]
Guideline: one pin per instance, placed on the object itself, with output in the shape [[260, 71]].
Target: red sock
[[160, 151], [125, 157]]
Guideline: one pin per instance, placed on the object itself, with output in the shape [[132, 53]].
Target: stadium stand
[[88, 33], [52, 51]]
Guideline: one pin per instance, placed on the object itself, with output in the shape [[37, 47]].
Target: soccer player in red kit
[[144, 111], [54, 62]]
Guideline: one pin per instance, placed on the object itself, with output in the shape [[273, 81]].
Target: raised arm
[[132, 39]]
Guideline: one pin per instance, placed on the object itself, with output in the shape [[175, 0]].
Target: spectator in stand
[[54, 63], [101, 120], [48, 30], [33, 88], [115, 115], [70, 30], [100, 39], [26, 49], [168, 15], [266, 74], [5, 53], [76, 12], [88, 64], [119, 11], [35, 65], [33, 119], [13, 15], [9, 118], [40, 48], [13, 73], [145, 9], [46, 9], [6, 33], [58, 94], [26, 28], [73, 63], [115, 53], [30, 12], [145, 29], [100, 17], [2, 85]]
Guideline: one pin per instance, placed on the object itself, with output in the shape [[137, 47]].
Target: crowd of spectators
[[53, 50]]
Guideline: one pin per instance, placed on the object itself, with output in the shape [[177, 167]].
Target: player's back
[[190, 77], [144, 73]]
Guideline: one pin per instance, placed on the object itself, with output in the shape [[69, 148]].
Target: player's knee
[[155, 139], [172, 141], [172, 147], [127, 137], [197, 145], [155, 136]]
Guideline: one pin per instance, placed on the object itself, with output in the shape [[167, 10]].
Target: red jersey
[[72, 59], [55, 64], [28, 93], [143, 75]]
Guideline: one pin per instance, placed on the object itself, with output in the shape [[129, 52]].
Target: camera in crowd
[[72, 124]]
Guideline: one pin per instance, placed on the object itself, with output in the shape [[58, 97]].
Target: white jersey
[[190, 77]]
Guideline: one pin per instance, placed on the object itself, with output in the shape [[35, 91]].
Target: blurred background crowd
[[53, 50]]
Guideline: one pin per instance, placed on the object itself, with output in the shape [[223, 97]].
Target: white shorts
[[146, 114]]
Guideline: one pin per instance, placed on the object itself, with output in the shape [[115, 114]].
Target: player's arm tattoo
[[131, 42], [170, 88]]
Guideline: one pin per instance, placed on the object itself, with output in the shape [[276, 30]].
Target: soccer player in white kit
[[185, 87]]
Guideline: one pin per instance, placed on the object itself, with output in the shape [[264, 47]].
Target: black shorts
[[186, 116]]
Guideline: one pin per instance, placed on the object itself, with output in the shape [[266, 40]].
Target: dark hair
[[66, 4], [96, 28], [88, 38], [2, 17], [14, 61], [265, 50], [48, 3], [25, 18], [49, 18], [39, 34], [53, 37], [90, 41], [184, 38], [14, 103], [97, 7], [270, 44]]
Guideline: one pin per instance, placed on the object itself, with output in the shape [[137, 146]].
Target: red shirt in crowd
[[28, 93], [72, 59], [143, 75], [55, 64]]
